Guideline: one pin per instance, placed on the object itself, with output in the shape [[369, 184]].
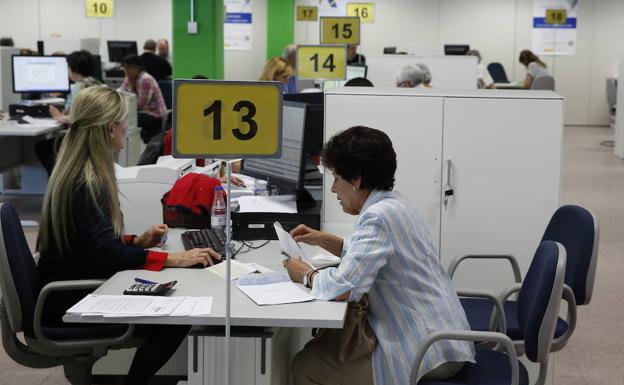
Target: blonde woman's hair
[[85, 158], [277, 68]]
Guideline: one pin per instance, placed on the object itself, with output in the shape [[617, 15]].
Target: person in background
[[358, 82], [535, 67], [409, 76], [354, 58], [290, 55], [484, 79], [80, 64], [81, 234], [163, 49], [151, 106], [277, 69], [154, 64], [6, 41], [393, 260], [426, 75]]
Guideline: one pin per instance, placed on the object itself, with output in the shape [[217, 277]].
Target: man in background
[[155, 65], [163, 49]]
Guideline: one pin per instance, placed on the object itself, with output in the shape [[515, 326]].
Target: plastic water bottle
[[261, 188], [218, 210]]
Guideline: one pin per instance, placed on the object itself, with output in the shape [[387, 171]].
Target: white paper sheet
[[272, 289], [268, 204], [126, 305], [194, 307], [289, 246], [237, 269]]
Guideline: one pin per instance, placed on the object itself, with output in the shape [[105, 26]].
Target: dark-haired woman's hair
[[133, 60], [527, 57], [81, 62], [364, 152], [358, 82]]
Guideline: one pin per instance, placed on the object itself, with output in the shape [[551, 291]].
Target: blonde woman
[[81, 234], [277, 69]]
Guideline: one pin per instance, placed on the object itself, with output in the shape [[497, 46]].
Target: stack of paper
[[268, 204], [272, 289], [237, 269], [141, 306]]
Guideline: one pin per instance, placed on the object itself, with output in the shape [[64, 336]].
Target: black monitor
[[389, 50], [456, 49], [288, 171], [313, 137], [119, 49], [97, 67], [307, 97], [40, 74]]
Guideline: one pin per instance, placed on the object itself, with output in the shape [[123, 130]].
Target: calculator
[[139, 288]]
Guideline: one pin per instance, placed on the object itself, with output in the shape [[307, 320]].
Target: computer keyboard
[[215, 239]]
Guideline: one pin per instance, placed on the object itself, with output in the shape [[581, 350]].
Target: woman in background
[[535, 67], [277, 69]]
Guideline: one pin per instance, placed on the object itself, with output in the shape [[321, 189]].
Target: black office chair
[[539, 301], [497, 71], [75, 347], [166, 88], [576, 228]]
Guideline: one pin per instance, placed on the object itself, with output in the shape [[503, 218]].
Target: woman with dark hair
[[80, 64], [391, 258], [535, 67]]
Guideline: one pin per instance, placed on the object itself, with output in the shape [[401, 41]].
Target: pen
[[139, 280]]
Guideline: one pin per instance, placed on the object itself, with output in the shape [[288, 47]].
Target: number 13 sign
[[224, 119]]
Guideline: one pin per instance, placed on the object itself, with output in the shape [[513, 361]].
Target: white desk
[[244, 312], [17, 145]]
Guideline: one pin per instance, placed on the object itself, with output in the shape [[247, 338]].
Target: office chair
[[497, 71], [166, 88], [576, 228], [75, 347], [539, 301], [546, 83]]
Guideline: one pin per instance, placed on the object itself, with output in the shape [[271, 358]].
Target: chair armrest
[[515, 267], [95, 343], [467, 335], [504, 296], [498, 305], [568, 296]]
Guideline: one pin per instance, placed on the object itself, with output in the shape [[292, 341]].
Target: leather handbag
[[355, 340]]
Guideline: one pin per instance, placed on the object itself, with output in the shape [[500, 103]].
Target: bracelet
[[308, 278]]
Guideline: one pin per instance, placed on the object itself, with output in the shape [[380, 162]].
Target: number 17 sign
[[227, 119]]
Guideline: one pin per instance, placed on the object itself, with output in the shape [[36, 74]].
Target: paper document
[[268, 204], [272, 289], [289, 246], [125, 305], [194, 306], [237, 269]]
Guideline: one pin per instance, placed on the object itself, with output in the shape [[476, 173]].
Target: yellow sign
[[224, 119], [340, 30], [365, 11], [556, 16], [322, 62], [100, 8], [307, 13]]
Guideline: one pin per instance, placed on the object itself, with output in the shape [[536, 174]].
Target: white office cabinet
[[416, 133], [505, 152], [253, 360], [505, 159]]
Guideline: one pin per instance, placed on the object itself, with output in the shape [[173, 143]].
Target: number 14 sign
[[227, 119]]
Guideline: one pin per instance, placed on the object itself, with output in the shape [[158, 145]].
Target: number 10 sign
[[227, 119]]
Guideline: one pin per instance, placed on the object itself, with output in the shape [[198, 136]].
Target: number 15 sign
[[224, 119]]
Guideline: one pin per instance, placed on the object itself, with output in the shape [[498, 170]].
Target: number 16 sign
[[225, 119]]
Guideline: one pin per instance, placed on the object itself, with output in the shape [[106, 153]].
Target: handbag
[[355, 340]]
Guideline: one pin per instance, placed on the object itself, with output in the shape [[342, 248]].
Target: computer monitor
[[358, 71], [119, 49], [97, 67], [287, 172], [313, 137], [40, 74], [456, 49], [389, 50]]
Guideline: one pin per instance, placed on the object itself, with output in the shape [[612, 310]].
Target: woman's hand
[[296, 269], [235, 181], [151, 237], [192, 257], [58, 115], [305, 234]]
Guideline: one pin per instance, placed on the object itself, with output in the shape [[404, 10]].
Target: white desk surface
[[244, 312], [11, 128]]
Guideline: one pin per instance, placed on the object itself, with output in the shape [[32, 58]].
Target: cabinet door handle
[[448, 189]]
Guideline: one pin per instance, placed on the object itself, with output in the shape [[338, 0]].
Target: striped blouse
[[391, 257]]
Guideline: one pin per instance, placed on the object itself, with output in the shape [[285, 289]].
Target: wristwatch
[[305, 278]]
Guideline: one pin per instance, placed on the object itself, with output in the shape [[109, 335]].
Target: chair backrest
[[497, 71], [167, 92], [546, 83], [576, 228], [539, 299], [18, 272]]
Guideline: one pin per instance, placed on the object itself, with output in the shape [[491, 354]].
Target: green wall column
[[201, 53], [280, 26]]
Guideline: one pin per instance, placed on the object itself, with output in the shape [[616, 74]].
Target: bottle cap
[[217, 188]]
